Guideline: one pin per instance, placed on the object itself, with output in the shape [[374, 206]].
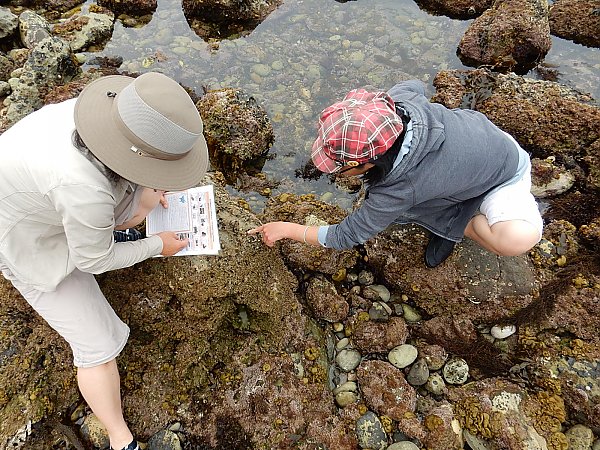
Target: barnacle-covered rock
[[237, 129], [306, 210]]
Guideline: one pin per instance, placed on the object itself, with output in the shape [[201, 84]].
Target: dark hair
[[78, 143], [383, 165]]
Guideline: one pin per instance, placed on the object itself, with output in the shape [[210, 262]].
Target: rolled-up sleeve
[[88, 219], [382, 207]]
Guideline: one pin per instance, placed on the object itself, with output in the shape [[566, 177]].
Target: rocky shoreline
[[297, 347]]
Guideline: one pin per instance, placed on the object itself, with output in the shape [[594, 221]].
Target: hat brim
[[95, 124], [320, 159]]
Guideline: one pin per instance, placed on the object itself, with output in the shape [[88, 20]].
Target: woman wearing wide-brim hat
[[451, 171], [73, 173]]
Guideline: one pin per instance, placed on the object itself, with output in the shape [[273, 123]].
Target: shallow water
[[308, 54]]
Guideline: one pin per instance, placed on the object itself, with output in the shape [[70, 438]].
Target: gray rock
[[95, 29], [370, 432], [345, 398], [33, 28], [435, 384], [378, 313], [418, 373], [348, 360], [580, 437], [456, 371], [348, 386], [410, 314], [365, 277], [164, 440], [8, 22], [378, 291], [403, 355], [404, 445], [51, 62], [342, 343]]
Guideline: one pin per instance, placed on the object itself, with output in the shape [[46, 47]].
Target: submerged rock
[[135, 8]]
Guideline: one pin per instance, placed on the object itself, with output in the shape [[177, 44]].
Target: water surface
[[307, 54]]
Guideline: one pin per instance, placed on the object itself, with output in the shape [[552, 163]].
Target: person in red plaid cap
[[452, 171]]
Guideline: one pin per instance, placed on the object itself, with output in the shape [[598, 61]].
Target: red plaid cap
[[359, 128]]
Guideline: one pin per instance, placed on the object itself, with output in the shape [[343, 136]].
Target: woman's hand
[[171, 243], [273, 231], [162, 200]]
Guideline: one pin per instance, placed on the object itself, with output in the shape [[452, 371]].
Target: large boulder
[[236, 127], [472, 282], [546, 118], [577, 20], [513, 35]]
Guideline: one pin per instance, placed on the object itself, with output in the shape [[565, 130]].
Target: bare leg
[[509, 238], [101, 389]]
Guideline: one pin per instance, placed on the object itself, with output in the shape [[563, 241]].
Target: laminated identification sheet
[[192, 215]]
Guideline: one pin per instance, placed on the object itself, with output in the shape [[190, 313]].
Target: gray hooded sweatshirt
[[456, 157]]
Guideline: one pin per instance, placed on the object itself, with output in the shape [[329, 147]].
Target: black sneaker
[[130, 234], [132, 446], [438, 250]]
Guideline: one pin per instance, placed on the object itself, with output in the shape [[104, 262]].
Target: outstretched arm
[[274, 231]]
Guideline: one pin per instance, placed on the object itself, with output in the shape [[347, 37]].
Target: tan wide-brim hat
[[146, 129]]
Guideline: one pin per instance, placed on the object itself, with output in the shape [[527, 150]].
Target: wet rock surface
[[286, 347], [510, 36], [459, 9], [577, 20], [236, 128], [306, 210], [132, 7], [223, 18]]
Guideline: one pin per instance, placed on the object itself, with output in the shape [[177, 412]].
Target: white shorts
[[80, 313], [513, 202]]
